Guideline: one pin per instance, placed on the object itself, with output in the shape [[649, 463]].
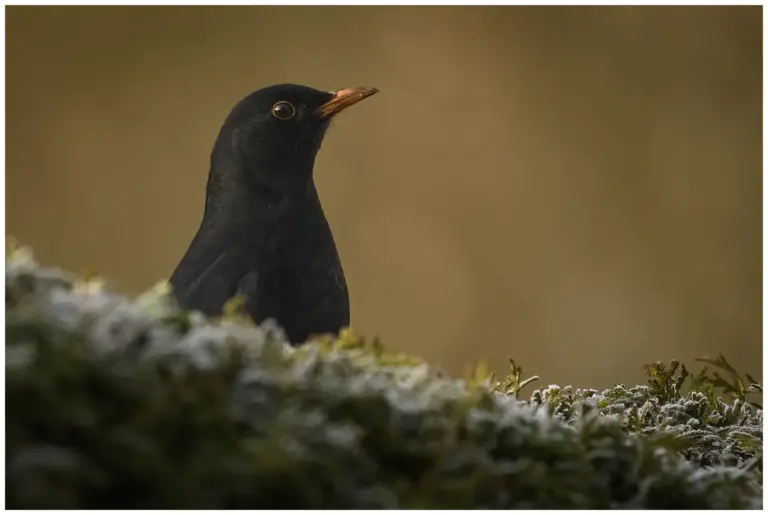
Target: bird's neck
[[232, 193], [232, 206]]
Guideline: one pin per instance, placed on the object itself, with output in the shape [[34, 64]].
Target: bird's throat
[[250, 207]]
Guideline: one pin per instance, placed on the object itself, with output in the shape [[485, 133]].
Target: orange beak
[[344, 98]]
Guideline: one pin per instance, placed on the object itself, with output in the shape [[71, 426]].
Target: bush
[[131, 403]]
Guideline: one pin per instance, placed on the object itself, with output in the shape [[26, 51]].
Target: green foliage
[[131, 403], [705, 417], [737, 387], [510, 385]]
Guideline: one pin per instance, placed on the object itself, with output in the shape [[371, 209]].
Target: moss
[[713, 422], [131, 403]]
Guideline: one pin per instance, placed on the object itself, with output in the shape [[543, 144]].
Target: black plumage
[[264, 235]]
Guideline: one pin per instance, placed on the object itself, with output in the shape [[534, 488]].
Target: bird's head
[[272, 136]]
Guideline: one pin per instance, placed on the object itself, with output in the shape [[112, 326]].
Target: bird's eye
[[283, 110]]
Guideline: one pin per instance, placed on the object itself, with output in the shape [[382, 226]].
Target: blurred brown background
[[578, 188]]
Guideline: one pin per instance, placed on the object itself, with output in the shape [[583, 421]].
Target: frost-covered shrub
[[707, 429], [131, 403]]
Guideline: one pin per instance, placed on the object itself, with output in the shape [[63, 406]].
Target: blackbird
[[264, 235]]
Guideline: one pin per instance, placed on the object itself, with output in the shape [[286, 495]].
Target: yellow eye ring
[[283, 110]]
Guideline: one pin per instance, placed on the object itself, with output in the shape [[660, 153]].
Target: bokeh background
[[576, 188]]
